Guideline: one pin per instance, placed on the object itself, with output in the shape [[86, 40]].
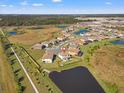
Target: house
[[48, 57], [73, 45], [63, 55], [78, 41], [73, 51], [61, 38]]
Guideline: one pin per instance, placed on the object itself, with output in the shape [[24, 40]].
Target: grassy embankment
[[22, 84], [7, 82], [38, 76]]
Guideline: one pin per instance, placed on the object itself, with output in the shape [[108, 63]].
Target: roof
[[74, 50], [63, 53], [48, 55]]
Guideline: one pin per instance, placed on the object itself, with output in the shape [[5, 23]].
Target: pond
[[81, 31], [76, 80], [12, 33], [61, 26], [118, 42]]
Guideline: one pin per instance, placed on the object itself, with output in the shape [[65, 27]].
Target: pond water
[[76, 80], [61, 26], [12, 33], [118, 42], [81, 31]]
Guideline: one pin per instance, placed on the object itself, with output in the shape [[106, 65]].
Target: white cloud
[[108, 3], [37, 4], [56, 1], [10, 5], [24, 3], [3, 5]]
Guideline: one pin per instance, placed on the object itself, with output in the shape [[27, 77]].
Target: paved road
[[30, 80]]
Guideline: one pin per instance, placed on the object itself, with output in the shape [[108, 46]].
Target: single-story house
[[61, 38], [63, 55], [73, 51], [48, 57]]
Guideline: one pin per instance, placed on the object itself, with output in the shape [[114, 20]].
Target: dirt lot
[[109, 64], [32, 36]]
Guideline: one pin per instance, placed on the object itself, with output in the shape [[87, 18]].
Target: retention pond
[[76, 80], [118, 42]]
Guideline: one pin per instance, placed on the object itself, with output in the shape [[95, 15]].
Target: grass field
[[32, 36], [7, 82], [108, 64]]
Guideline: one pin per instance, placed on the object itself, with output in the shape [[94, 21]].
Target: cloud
[[56, 1], [37, 4], [10, 5], [24, 3], [4, 5], [108, 3]]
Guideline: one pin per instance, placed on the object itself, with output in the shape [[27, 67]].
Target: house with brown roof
[[73, 51], [61, 38], [64, 56], [48, 57]]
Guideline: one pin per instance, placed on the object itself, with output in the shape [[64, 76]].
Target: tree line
[[29, 20]]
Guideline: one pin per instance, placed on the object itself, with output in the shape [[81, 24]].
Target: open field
[[108, 64], [7, 82], [32, 36]]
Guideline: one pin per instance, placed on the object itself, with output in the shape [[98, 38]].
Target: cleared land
[[7, 82], [108, 63]]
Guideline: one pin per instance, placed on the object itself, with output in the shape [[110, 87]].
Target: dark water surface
[[76, 80], [118, 42], [81, 31], [12, 33], [61, 26]]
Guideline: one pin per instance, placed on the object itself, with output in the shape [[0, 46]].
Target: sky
[[61, 6]]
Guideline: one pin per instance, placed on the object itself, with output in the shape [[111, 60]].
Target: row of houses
[[65, 54]]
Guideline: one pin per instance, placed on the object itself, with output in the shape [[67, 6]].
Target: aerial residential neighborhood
[[44, 56], [68, 44], [61, 46]]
